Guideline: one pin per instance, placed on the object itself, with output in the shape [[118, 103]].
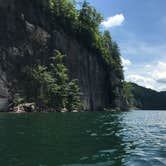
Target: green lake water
[[136, 138]]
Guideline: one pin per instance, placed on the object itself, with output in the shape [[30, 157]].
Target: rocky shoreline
[[31, 107]]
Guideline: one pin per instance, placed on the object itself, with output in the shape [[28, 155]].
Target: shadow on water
[[61, 139]]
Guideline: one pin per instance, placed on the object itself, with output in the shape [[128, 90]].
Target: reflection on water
[[147, 131], [76, 139]]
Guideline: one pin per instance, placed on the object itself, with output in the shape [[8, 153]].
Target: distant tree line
[[143, 98]]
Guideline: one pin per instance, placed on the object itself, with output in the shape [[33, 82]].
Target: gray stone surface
[[4, 95]]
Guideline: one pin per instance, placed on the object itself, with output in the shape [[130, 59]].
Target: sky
[[139, 28]]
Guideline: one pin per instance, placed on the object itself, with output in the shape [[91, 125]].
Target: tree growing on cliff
[[73, 95], [50, 86], [64, 13], [128, 94], [89, 18], [118, 68]]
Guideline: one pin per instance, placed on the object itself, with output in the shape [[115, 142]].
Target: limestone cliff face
[[27, 38]]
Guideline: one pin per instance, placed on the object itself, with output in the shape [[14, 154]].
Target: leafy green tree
[[89, 20], [60, 72], [107, 40], [69, 92], [89, 17], [73, 96], [64, 12], [51, 87], [40, 83], [128, 94], [118, 68], [107, 47]]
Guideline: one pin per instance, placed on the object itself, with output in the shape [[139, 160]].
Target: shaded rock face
[[27, 37], [88, 69], [4, 94], [3, 88], [7, 4]]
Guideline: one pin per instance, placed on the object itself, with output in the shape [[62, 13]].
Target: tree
[[107, 40], [60, 72], [39, 84], [73, 96], [89, 17], [128, 95], [64, 12], [50, 86], [118, 68]]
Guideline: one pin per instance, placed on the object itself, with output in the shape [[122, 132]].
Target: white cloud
[[126, 63], [148, 59], [159, 71], [152, 75], [113, 21], [141, 80], [148, 66]]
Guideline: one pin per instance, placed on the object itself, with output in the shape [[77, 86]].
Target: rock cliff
[[27, 38]]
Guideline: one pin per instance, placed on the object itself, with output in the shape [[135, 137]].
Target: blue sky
[[139, 27]]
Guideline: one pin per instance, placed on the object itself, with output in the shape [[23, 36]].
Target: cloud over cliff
[[113, 21]]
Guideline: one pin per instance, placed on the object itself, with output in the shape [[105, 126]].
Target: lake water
[[136, 138]]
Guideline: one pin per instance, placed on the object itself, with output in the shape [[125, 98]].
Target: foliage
[[128, 95], [50, 86], [84, 25], [89, 18], [73, 97], [144, 98], [64, 12], [17, 99]]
